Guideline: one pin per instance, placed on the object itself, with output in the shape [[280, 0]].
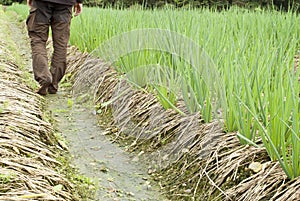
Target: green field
[[236, 65]]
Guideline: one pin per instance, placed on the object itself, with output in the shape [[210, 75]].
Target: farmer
[[43, 14]]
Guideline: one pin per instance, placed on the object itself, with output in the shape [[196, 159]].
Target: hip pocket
[[30, 21], [63, 13]]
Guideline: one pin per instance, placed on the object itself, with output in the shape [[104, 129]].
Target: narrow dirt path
[[30, 168], [118, 176]]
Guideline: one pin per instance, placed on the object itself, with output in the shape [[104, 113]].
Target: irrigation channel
[[188, 159]]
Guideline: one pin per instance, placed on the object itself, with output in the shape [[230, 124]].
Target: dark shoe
[[52, 90], [43, 89]]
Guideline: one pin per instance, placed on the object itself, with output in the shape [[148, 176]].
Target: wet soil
[[118, 175]]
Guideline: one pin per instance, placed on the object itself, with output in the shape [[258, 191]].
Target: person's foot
[[43, 89], [51, 89]]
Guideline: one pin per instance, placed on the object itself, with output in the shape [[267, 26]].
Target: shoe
[[43, 89], [52, 90]]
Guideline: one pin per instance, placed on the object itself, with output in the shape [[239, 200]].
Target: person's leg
[[60, 25], [38, 30]]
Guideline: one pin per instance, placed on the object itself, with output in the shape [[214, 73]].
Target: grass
[[15, 57], [237, 63], [246, 66], [5, 178], [85, 186]]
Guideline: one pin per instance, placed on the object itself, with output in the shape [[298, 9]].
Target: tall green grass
[[21, 10], [255, 88], [253, 52]]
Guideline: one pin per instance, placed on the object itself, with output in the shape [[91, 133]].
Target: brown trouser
[[42, 16]]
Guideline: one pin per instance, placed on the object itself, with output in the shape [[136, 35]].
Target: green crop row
[[237, 65]]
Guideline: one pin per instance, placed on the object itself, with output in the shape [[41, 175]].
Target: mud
[[118, 175]]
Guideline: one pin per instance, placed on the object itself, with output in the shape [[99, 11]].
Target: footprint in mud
[[119, 177]]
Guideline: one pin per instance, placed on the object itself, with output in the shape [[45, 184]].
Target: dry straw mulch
[[28, 169]]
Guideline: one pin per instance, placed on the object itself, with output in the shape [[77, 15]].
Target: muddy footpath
[[71, 128], [117, 174]]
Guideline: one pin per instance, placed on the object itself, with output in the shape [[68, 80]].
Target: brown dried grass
[[28, 168]]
